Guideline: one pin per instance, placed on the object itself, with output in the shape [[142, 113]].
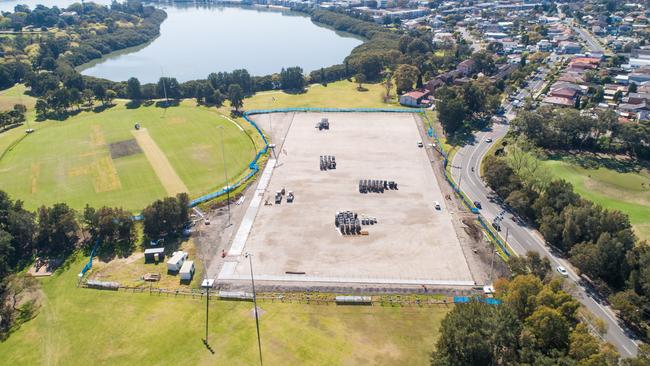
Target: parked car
[[488, 140], [436, 204]]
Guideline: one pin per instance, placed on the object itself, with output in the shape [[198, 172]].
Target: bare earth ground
[[217, 237], [412, 242], [156, 157]]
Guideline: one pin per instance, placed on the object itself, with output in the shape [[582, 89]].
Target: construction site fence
[[460, 296]]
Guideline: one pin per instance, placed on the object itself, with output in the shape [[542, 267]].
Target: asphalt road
[[592, 43], [521, 238]]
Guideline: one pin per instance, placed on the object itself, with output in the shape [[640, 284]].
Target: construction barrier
[[470, 205]]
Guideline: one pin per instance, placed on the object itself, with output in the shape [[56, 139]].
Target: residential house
[[414, 98]]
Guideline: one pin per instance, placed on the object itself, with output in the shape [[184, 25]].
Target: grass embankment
[[80, 326], [70, 161], [615, 187]]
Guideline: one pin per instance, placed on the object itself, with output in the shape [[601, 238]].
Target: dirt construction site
[[396, 223]]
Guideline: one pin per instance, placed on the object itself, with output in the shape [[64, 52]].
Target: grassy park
[[78, 326], [612, 186], [340, 94], [99, 158]]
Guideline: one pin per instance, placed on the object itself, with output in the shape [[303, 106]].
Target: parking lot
[[412, 242]]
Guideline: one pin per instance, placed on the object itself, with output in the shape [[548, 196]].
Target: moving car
[[488, 140], [562, 271], [477, 204]]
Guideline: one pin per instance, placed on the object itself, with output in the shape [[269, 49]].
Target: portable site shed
[[187, 271], [175, 263], [154, 254]]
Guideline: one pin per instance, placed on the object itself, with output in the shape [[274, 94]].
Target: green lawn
[[341, 94], [69, 161], [628, 192], [79, 327]]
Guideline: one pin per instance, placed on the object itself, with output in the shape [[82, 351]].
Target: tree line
[[599, 242], [12, 117], [468, 107], [536, 324], [57, 231], [569, 129]]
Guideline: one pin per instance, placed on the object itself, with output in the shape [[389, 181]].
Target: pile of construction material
[[349, 223], [324, 124], [376, 185], [327, 162]]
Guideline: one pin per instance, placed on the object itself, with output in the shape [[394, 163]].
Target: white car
[[488, 140], [436, 204], [562, 271]]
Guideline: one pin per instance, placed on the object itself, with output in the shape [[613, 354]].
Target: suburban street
[[465, 168]]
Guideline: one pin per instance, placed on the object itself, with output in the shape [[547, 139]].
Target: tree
[[166, 216], [388, 84], [405, 77], [236, 96], [110, 96], [292, 78], [546, 329], [100, 93], [133, 90], [88, 95], [57, 230], [632, 88], [451, 113], [360, 79], [477, 334]]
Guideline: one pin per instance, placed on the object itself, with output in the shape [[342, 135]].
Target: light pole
[[207, 284], [225, 172], [257, 322]]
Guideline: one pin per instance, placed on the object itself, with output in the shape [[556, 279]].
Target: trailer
[[175, 263], [187, 271]]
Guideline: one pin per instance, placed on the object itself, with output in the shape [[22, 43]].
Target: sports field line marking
[[235, 123], [159, 162]]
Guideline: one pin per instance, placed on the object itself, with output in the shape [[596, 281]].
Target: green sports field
[[99, 158], [78, 326], [628, 192]]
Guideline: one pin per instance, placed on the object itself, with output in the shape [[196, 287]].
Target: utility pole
[[225, 172], [257, 322]]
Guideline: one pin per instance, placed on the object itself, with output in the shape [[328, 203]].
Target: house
[[443, 38], [187, 271], [559, 101], [466, 67], [414, 98], [570, 48]]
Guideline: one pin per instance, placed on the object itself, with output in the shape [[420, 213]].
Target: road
[[521, 238], [590, 40]]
